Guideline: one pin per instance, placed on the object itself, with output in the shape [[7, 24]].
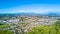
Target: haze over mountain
[[31, 14]]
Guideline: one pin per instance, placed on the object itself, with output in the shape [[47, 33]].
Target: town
[[23, 24]]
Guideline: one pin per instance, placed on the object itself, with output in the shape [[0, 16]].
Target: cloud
[[22, 11]]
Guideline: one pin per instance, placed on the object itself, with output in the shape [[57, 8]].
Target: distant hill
[[53, 14], [19, 14], [29, 14]]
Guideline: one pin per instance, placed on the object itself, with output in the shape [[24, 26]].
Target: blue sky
[[35, 6]]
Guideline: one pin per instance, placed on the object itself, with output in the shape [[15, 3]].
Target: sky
[[27, 6]]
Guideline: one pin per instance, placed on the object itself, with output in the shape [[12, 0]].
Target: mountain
[[53, 14], [31, 14], [19, 14]]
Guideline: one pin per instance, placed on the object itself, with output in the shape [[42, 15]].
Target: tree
[[45, 29]]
